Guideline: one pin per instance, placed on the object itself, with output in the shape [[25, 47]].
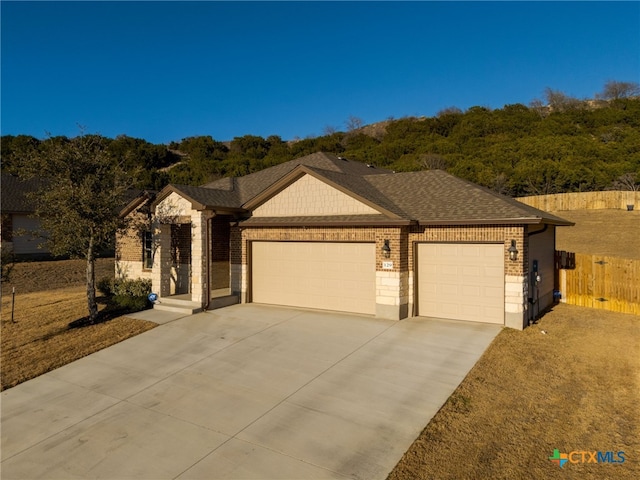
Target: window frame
[[147, 250]]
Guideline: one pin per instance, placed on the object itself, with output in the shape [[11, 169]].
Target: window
[[147, 250]]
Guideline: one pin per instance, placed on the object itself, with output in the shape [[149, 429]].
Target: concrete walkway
[[248, 391]]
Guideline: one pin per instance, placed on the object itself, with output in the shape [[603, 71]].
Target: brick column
[[516, 284], [392, 275]]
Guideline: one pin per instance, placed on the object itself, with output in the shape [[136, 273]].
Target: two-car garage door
[[329, 276], [454, 280], [461, 281]]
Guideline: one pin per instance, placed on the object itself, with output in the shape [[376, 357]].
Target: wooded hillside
[[565, 145]]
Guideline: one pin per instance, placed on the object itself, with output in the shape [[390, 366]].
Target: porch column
[[199, 257], [161, 272]]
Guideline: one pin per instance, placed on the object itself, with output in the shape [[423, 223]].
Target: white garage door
[[461, 281], [330, 276]]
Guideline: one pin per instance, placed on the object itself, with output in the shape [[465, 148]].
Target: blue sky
[[164, 71]]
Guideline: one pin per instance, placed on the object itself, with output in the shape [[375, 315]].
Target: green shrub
[[132, 288], [105, 286], [133, 304], [127, 293]]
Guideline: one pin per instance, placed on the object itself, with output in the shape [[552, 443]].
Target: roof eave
[[135, 203], [329, 223], [496, 221]]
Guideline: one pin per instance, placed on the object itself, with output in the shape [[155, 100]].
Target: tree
[[353, 123], [614, 90], [559, 101], [329, 130], [79, 200], [432, 161], [628, 181]]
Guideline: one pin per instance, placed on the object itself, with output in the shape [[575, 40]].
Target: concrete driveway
[[248, 391]]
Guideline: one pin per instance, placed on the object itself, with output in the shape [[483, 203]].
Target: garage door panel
[[461, 281], [330, 276]]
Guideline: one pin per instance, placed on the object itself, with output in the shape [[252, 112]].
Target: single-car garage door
[[329, 276], [461, 281]]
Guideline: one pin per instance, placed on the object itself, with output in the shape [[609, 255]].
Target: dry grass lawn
[[614, 233], [41, 336], [575, 388]]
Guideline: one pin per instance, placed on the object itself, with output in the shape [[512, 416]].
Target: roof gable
[[308, 195], [250, 186], [428, 197]]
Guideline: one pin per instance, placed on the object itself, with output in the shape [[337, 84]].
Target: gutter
[[531, 234]]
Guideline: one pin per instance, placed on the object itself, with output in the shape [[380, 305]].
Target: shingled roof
[[436, 197], [431, 197], [230, 192], [14, 194]]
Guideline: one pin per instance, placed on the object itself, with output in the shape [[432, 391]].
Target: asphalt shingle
[[14, 193], [432, 196]]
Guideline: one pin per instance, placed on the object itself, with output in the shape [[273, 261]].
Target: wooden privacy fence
[[597, 281], [613, 199]]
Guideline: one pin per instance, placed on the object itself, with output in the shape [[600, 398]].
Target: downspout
[[208, 260]]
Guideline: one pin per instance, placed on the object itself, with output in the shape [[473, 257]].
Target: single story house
[[325, 232], [21, 231]]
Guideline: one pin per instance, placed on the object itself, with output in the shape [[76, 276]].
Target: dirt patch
[[601, 232], [575, 387], [47, 331]]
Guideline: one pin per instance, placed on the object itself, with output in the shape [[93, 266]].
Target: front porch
[[191, 262]]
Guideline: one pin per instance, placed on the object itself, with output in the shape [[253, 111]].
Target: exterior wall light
[[513, 251], [386, 249]]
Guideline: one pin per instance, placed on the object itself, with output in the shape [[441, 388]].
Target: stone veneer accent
[[239, 281], [516, 293], [126, 269], [392, 295]]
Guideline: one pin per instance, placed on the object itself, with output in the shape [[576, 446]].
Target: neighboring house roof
[[14, 197], [431, 197]]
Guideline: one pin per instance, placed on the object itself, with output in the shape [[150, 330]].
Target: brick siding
[[129, 242], [401, 241]]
